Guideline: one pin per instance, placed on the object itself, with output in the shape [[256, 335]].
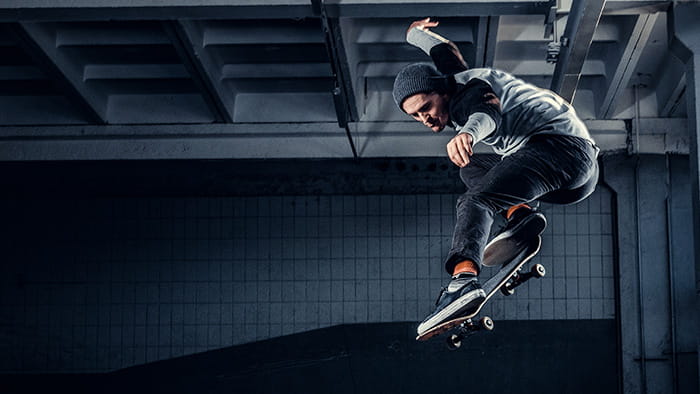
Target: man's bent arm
[[475, 109], [479, 126]]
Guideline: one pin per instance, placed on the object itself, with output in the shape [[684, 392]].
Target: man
[[547, 154]]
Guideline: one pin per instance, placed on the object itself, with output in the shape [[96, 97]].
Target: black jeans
[[550, 168]]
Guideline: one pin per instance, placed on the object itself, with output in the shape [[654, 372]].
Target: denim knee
[[480, 199]]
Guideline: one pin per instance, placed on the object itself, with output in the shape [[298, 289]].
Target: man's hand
[[422, 24], [459, 149]]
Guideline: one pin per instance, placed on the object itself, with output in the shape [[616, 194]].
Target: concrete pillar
[[645, 290], [685, 43]]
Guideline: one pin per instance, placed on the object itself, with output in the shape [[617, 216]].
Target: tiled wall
[[100, 284]]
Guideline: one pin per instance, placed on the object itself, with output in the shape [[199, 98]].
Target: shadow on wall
[[535, 356]]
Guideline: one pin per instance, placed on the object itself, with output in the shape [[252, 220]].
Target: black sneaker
[[525, 224], [461, 297]]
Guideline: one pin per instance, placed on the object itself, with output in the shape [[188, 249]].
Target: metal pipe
[[671, 273], [340, 94], [350, 140], [642, 348]]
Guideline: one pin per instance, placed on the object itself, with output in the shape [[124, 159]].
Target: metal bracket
[[550, 30], [553, 50]]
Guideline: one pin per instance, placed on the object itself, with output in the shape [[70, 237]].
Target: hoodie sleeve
[[445, 54], [424, 39], [475, 109]]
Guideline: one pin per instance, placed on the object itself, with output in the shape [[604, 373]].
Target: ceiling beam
[[187, 38], [54, 10], [436, 8], [75, 10], [636, 7], [86, 10], [292, 140], [39, 42], [480, 41], [491, 41], [671, 86], [580, 26], [627, 63]]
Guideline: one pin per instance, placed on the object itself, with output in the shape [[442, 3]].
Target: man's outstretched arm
[[445, 54]]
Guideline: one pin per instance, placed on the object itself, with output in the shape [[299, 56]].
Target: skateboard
[[509, 277]]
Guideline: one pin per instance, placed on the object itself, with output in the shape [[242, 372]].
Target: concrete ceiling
[[202, 79]]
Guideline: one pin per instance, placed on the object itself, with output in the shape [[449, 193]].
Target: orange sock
[[514, 208], [464, 267]]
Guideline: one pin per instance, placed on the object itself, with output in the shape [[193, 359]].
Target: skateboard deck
[[506, 279]]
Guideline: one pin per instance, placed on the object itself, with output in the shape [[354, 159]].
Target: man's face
[[431, 109]]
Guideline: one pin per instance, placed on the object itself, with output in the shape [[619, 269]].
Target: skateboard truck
[[518, 278], [467, 329]]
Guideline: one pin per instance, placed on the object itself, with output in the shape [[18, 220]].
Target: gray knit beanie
[[417, 78]]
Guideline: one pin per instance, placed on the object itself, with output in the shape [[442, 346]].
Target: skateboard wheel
[[507, 290], [454, 342], [486, 323], [538, 271]]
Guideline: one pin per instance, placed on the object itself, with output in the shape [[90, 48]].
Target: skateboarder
[[546, 154]]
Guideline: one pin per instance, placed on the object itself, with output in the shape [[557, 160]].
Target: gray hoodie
[[526, 110]]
